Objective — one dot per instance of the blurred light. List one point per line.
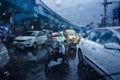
(32, 27)
(4, 13)
(58, 2)
(37, 1)
(46, 23)
(24, 23)
(35, 20)
(35, 15)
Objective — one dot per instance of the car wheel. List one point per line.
(47, 70)
(35, 45)
(80, 56)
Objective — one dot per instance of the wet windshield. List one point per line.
(86, 46)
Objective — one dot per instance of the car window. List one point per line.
(108, 36)
(93, 35)
(29, 34)
(84, 35)
(40, 34)
(71, 33)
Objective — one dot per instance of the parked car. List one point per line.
(30, 39)
(100, 48)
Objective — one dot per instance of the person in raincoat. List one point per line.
(63, 38)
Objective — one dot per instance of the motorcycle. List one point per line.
(72, 48)
(56, 55)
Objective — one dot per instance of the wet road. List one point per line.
(29, 64)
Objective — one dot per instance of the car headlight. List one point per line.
(29, 40)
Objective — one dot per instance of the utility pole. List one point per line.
(105, 13)
(105, 4)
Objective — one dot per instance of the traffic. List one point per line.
(56, 40)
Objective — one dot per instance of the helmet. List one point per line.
(63, 27)
(61, 33)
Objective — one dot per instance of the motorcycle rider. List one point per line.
(65, 42)
(61, 40)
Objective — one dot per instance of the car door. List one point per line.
(88, 44)
(93, 45)
(44, 37)
(39, 38)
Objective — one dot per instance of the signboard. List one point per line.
(116, 13)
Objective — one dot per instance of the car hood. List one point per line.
(24, 37)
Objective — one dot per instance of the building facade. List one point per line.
(28, 14)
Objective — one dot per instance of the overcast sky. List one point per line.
(79, 12)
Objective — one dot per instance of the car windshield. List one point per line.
(88, 47)
(70, 33)
(29, 34)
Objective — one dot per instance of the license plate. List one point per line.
(73, 46)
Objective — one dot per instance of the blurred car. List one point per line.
(47, 32)
(4, 57)
(55, 35)
(100, 48)
(72, 36)
(30, 39)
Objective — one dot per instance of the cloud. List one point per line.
(79, 12)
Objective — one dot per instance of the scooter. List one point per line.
(55, 55)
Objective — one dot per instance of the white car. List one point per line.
(30, 39)
(100, 49)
